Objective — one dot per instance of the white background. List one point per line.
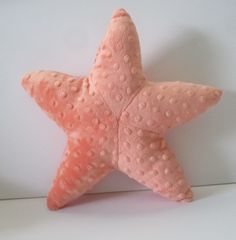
(180, 40)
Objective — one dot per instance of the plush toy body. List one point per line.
(116, 119)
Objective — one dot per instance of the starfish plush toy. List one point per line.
(116, 119)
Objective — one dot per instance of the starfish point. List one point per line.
(116, 119)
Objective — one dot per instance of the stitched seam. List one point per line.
(119, 117)
(118, 127)
(143, 129)
(131, 100)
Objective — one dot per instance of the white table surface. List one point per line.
(125, 215)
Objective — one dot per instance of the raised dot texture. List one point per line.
(105, 74)
(146, 93)
(150, 123)
(57, 83)
(128, 90)
(126, 58)
(152, 159)
(86, 84)
(107, 112)
(140, 146)
(168, 113)
(103, 153)
(95, 121)
(178, 119)
(61, 114)
(110, 85)
(202, 99)
(81, 99)
(87, 109)
(63, 94)
(141, 172)
(140, 133)
(134, 70)
(108, 53)
(102, 165)
(128, 131)
(163, 87)
(118, 97)
(102, 126)
(137, 118)
(155, 172)
(154, 109)
(162, 144)
(139, 160)
(217, 93)
(153, 145)
(127, 144)
(122, 77)
(167, 171)
(74, 89)
(164, 156)
(190, 93)
(98, 102)
(90, 179)
(55, 74)
(180, 196)
(70, 106)
(167, 184)
(71, 79)
(185, 105)
(130, 38)
(125, 115)
(127, 159)
(172, 101)
(116, 66)
(54, 103)
(142, 105)
(160, 97)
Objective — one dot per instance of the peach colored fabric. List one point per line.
(116, 119)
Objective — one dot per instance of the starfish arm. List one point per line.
(117, 71)
(77, 174)
(161, 106)
(55, 93)
(147, 158)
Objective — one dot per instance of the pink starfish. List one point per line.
(116, 119)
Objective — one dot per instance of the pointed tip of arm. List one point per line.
(121, 42)
(216, 95)
(37, 81)
(121, 12)
(27, 83)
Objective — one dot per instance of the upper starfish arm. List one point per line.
(161, 106)
(55, 93)
(117, 71)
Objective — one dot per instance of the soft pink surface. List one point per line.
(116, 119)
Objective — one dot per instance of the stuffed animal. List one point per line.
(116, 119)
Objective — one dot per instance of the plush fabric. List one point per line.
(116, 119)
